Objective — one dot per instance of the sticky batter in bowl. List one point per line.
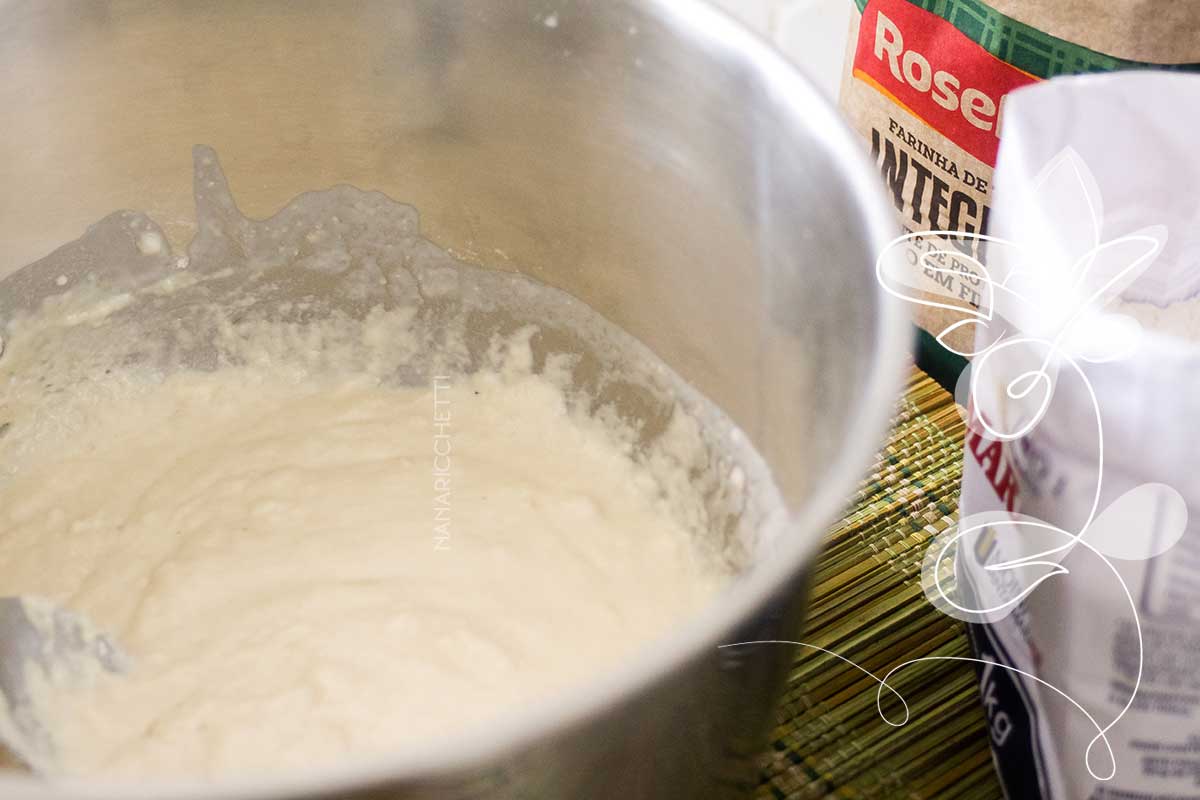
(303, 570)
(337, 493)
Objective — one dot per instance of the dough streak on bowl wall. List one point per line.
(336, 492)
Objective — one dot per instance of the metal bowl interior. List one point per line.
(651, 158)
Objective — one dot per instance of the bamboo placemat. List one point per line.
(867, 605)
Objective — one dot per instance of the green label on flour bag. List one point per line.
(1023, 46)
(925, 84)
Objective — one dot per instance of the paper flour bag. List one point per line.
(925, 82)
(1077, 556)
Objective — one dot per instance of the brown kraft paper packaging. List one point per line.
(925, 83)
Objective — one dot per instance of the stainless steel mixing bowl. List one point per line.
(651, 158)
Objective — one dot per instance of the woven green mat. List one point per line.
(867, 606)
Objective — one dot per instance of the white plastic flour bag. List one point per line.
(1077, 556)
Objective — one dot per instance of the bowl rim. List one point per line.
(799, 104)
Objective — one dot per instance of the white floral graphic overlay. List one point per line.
(1038, 314)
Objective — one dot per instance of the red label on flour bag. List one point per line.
(942, 78)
